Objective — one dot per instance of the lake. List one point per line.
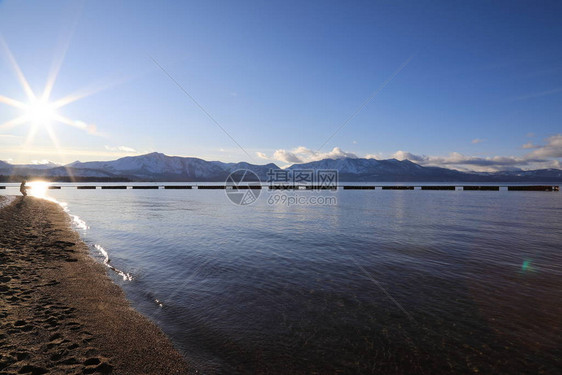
(376, 281)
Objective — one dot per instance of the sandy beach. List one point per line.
(60, 312)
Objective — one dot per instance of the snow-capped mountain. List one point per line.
(357, 169)
(157, 166)
(160, 167)
(150, 167)
(260, 170)
(360, 166)
(5, 166)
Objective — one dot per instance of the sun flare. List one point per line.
(41, 113)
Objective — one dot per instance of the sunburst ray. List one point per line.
(88, 91)
(30, 137)
(23, 81)
(15, 122)
(77, 124)
(40, 112)
(53, 138)
(12, 102)
(64, 43)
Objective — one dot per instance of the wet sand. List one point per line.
(59, 311)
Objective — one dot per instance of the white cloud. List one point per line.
(305, 155)
(261, 155)
(542, 157)
(377, 156)
(286, 156)
(552, 149)
(42, 162)
(477, 140)
(403, 155)
(459, 161)
(121, 148)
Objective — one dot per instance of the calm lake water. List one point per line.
(381, 282)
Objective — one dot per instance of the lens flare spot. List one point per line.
(526, 266)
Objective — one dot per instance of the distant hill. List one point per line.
(159, 167)
(156, 167)
(150, 167)
(356, 169)
(372, 170)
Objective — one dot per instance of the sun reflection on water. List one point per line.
(38, 189)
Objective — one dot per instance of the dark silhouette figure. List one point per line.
(23, 189)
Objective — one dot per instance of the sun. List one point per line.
(41, 113)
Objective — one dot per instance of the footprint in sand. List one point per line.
(102, 368)
(33, 370)
(20, 356)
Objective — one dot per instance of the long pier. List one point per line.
(304, 187)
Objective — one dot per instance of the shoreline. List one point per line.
(60, 311)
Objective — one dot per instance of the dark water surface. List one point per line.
(383, 282)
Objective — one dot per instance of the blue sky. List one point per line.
(482, 87)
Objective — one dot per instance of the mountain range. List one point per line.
(159, 167)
